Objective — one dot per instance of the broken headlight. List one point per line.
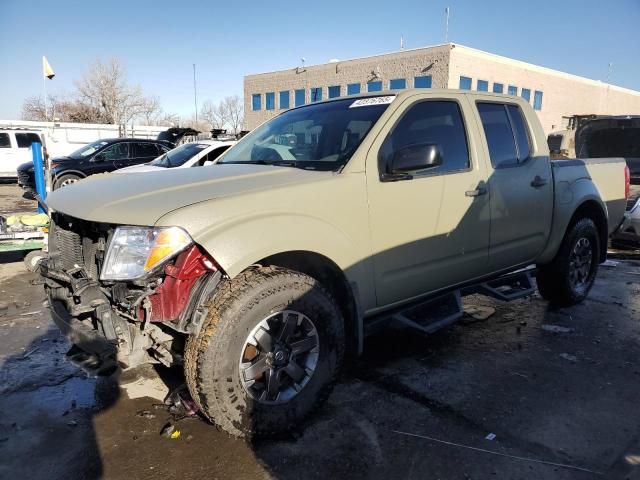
(135, 251)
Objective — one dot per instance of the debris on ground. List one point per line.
(478, 313)
(180, 403)
(557, 329)
(30, 352)
(72, 423)
(170, 431)
(145, 414)
(610, 263)
(569, 357)
(491, 436)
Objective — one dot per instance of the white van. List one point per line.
(15, 149)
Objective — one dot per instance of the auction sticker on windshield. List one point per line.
(367, 102)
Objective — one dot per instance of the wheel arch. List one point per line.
(331, 276)
(593, 210)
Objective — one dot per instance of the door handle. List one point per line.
(538, 182)
(476, 193)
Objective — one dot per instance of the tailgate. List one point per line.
(608, 176)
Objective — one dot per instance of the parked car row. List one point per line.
(123, 155)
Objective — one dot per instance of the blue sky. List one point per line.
(159, 41)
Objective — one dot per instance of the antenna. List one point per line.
(401, 42)
(446, 28)
(609, 72)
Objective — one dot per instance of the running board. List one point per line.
(507, 288)
(435, 313)
(426, 317)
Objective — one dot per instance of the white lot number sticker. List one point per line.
(367, 102)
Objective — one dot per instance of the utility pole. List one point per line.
(195, 95)
(446, 27)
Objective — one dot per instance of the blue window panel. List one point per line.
(300, 100)
(316, 94)
(334, 91)
(526, 94)
(374, 86)
(256, 101)
(353, 89)
(270, 101)
(512, 90)
(397, 84)
(422, 82)
(482, 86)
(498, 88)
(537, 100)
(284, 99)
(465, 83)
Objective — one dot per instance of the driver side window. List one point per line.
(118, 151)
(438, 123)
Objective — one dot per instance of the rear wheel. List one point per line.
(568, 279)
(268, 354)
(65, 180)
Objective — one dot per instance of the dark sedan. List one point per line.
(101, 156)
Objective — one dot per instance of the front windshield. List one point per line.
(178, 156)
(88, 150)
(319, 137)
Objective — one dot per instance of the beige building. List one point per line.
(555, 95)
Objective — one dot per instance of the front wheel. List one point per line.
(268, 353)
(569, 277)
(65, 180)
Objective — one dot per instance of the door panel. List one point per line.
(142, 152)
(427, 233)
(114, 156)
(521, 187)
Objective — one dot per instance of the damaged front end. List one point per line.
(125, 295)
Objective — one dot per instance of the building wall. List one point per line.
(563, 94)
(407, 64)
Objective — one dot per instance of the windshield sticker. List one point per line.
(367, 102)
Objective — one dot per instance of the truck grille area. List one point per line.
(76, 244)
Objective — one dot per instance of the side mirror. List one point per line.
(99, 158)
(416, 157)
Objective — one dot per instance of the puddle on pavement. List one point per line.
(58, 399)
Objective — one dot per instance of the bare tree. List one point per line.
(215, 114)
(234, 111)
(33, 109)
(150, 110)
(57, 108)
(168, 120)
(105, 87)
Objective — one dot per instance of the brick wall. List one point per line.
(405, 64)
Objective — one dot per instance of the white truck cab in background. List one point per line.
(15, 148)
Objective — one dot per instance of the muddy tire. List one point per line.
(65, 180)
(268, 353)
(33, 259)
(568, 279)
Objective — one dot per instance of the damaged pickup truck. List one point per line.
(321, 226)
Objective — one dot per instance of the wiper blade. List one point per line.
(274, 163)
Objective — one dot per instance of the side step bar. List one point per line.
(435, 313)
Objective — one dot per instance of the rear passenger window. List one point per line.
(24, 140)
(145, 150)
(520, 131)
(500, 135)
(4, 140)
(431, 122)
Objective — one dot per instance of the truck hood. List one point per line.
(143, 199)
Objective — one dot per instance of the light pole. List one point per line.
(195, 95)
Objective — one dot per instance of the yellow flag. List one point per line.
(47, 71)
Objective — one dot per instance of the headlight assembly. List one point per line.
(135, 251)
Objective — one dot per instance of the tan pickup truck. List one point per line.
(324, 224)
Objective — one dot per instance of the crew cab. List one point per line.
(322, 225)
